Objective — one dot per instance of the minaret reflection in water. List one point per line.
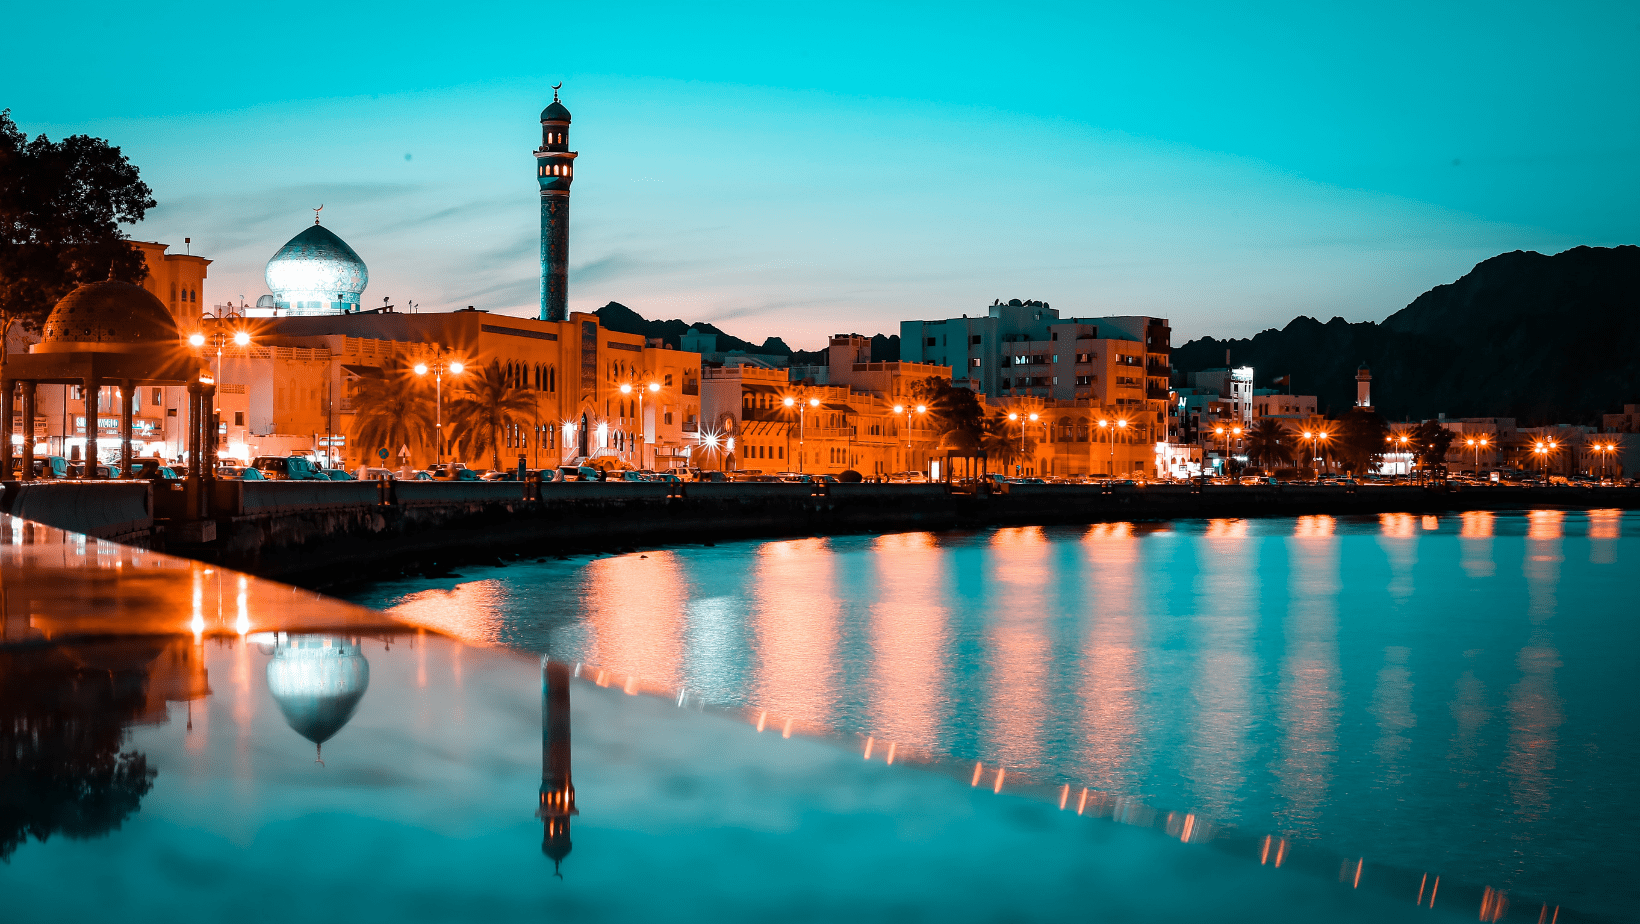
(318, 681)
(557, 789)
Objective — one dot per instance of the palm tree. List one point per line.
(486, 405)
(1001, 441)
(1268, 443)
(392, 411)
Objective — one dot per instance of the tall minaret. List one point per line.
(1363, 386)
(555, 169)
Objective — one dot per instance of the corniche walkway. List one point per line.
(185, 736)
(323, 534)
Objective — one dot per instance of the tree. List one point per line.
(392, 411)
(1269, 443)
(950, 408)
(1359, 441)
(485, 406)
(1000, 438)
(1430, 442)
(61, 206)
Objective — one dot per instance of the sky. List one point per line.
(798, 170)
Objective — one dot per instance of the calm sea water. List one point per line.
(1453, 694)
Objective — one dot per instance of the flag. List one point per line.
(1285, 381)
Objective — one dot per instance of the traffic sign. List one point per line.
(383, 453)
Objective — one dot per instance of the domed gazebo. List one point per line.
(105, 333)
(960, 444)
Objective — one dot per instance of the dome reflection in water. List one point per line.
(318, 681)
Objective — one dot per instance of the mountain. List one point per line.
(618, 317)
(1544, 339)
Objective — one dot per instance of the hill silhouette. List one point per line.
(618, 317)
(1544, 339)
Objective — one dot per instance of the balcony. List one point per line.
(1156, 394)
(690, 387)
(691, 426)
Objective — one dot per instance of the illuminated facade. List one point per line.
(554, 171)
(316, 273)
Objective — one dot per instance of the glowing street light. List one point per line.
(438, 367)
(627, 389)
(1477, 443)
(907, 410)
(196, 339)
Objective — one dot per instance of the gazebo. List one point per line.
(108, 333)
(960, 444)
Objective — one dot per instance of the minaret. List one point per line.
(554, 169)
(557, 789)
(1363, 386)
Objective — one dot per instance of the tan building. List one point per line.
(300, 375)
(841, 415)
(176, 279)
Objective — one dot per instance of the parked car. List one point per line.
(908, 478)
(47, 467)
(708, 475)
(579, 473)
(288, 468)
(498, 476)
(449, 471)
(78, 470)
(155, 468)
(628, 475)
(367, 473)
(666, 477)
(338, 474)
(420, 475)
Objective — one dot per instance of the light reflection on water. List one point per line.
(1443, 693)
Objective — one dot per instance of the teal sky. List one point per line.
(803, 169)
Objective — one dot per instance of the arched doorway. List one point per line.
(582, 436)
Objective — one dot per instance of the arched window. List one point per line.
(552, 379)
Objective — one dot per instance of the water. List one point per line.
(1450, 694)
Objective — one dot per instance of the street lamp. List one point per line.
(217, 338)
(1604, 449)
(802, 408)
(1120, 424)
(439, 367)
(907, 410)
(627, 389)
(1477, 444)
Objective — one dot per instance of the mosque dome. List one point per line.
(555, 111)
(318, 681)
(109, 316)
(316, 273)
(266, 301)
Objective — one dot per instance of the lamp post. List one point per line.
(218, 338)
(627, 389)
(1477, 444)
(1019, 467)
(907, 410)
(1226, 433)
(1604, 449)
(438, 367)
(1119, 424)
(802, 406)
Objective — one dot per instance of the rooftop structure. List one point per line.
(316, 272)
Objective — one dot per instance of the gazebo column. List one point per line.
(90, 387)
(128, 397)
(6, 406)
(28, 430)
(194, 429)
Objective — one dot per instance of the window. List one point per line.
(976, 339)
(239, 418)
(1084, 380)
(668, 382)
(931, 341)
(1056, 335)
(974, 362)
(159, 397)
(669, 418)
(780, 452)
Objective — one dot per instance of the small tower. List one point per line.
(1363, 386)
(554, 170)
